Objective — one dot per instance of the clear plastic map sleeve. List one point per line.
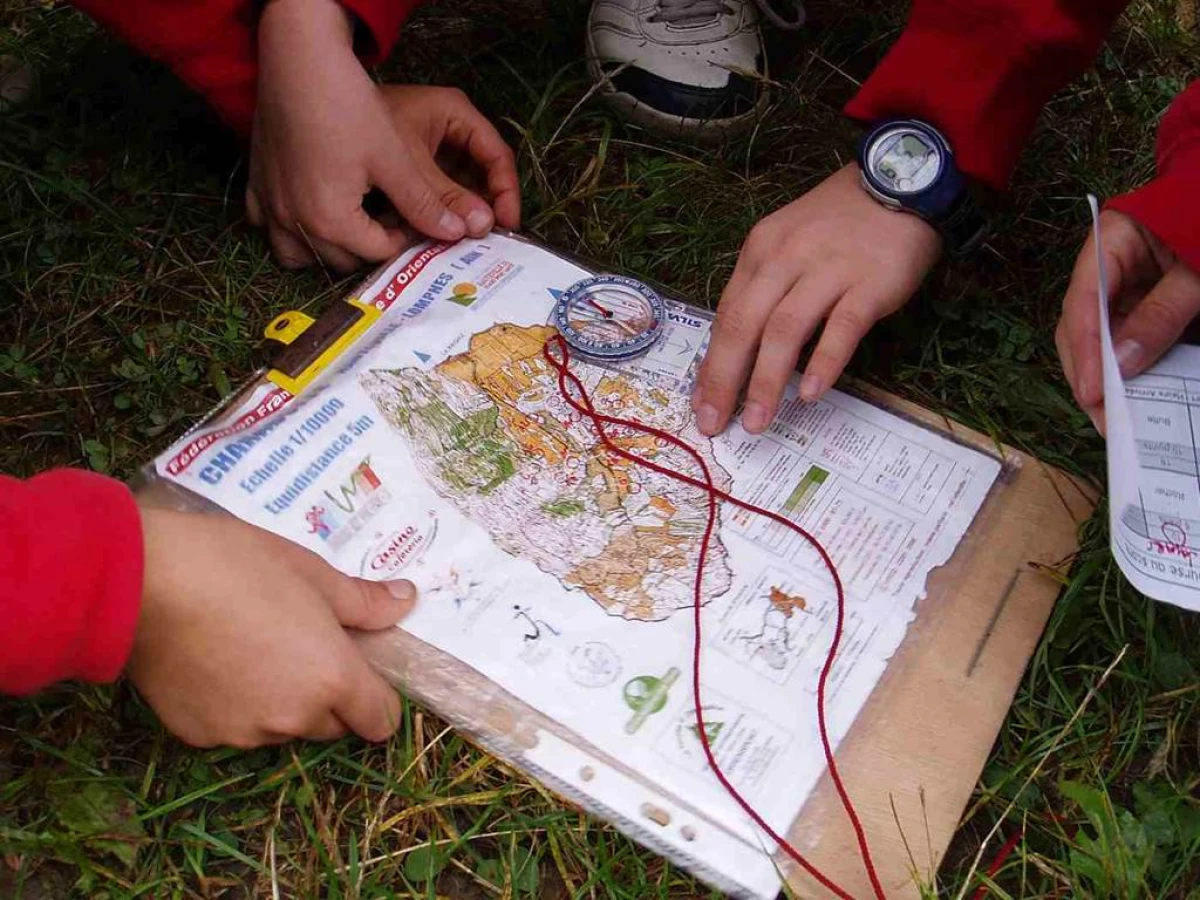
(554, 625)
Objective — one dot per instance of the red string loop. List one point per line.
(558, 355)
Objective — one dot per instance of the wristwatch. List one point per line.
(907, 165)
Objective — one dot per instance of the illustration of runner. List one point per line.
(535, 624)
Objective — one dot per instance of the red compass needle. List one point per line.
(607, 313)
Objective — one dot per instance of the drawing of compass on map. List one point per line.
(686, 746)
(745, 742)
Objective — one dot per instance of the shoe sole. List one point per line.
(705, 131)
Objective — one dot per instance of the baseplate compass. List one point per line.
(610, 317)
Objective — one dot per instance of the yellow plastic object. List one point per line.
(317, 342)
(288, 326)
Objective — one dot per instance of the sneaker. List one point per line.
(694, 67)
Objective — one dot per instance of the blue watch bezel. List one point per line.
(933, 202)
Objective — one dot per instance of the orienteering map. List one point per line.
(442, 451)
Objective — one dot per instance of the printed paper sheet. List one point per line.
(1153, 425)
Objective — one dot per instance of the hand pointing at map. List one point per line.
(821, 271)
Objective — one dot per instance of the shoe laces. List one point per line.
(694, 12)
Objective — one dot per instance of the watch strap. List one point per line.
(965, 226)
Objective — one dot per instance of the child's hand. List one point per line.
(325, 135)
(1154, 297)
(833, 260)
(241, 638)
(448, 124)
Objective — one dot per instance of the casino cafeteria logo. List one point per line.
(342, 515)
(393, 550)
(646, 695)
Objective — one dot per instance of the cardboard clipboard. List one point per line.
(914, 754)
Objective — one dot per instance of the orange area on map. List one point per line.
(506, 363)
(505, 360)
(663, 507)
(622, 568)
(787, 603)
(642, 559)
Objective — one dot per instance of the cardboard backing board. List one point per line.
(914, 755)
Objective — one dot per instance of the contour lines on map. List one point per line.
(491, 434)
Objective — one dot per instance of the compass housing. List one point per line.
(610, 317)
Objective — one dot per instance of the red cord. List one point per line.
(557, 354)
(1005, 852)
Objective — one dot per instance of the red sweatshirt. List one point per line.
(70, 543)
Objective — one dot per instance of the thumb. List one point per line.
(1080, 322)
(1157, 322)
(368, 705)
(370, 605)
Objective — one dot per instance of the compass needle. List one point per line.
(607, 313)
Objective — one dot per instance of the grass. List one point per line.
(131, 297)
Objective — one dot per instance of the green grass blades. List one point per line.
(132, 296)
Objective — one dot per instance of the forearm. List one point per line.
(211, 44)
(981, 71)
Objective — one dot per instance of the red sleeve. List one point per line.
(1169, 206)
(210, 44)
(981, 71)
(382, 20)
(70, 578)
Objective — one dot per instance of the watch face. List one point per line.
(904, 161)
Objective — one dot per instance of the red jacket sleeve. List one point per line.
(210, 44)
(382, 20)
(1169, 206)
(981, 71)
(70, 578)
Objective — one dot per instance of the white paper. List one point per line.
(443, 452)
(1152, 424)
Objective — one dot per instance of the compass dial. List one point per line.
(610, 317)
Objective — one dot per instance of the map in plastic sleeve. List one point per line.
(440, 449)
